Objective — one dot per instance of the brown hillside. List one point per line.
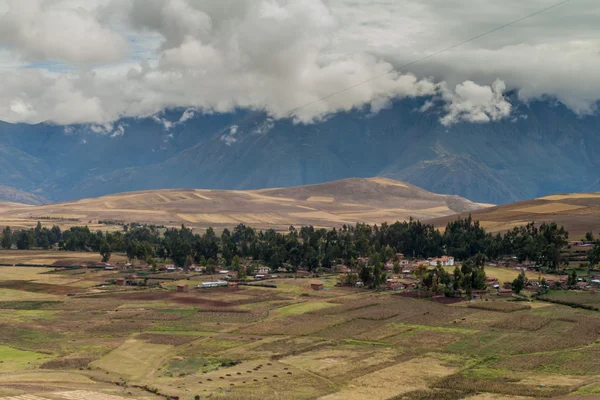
(578, 213)
(330, 204)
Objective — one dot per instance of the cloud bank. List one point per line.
(95, 61)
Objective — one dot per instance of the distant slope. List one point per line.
(12, 195)
(348, 201)
(578, 213)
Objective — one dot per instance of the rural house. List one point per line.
(445, 261)
(263, 270)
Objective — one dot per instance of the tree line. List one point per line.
(307, 247)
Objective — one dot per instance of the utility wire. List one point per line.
(397, 69)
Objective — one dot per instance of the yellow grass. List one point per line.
(19, 295)
(395, 380)
(507, 274)
(321, 199)
(549, 208)
(558, 197)
(134, 358)
(388, 182)
(87, 395)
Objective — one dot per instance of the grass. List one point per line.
(20, 295)
(300, 308)
(12, 359)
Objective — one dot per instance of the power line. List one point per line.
(397, 69)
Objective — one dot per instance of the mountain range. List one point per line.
(544, 148)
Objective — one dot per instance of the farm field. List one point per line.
(289, 342)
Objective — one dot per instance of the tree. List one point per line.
(235, 263)
(105, 251)
(420, 272)
(594, 256)
(7, 238)
(572, 279)
(519, 282)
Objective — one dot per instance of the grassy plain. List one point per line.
(288, 342)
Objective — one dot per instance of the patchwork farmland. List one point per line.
(63, 336)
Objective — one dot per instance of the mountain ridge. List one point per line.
(544, 149)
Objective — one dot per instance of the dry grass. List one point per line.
(395, 380)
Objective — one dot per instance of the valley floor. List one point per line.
(65, 337)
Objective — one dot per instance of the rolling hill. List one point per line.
(578, 213)
(347, 201)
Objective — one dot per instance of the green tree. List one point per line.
(235, 263)
(519, 282)
(594, 256)
(572, 279)
(7, 238)
(105, 251)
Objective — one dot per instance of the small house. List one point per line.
(182, 288)
(171, 268)
(263, 270)
(316, 285)
(505, 292)
(121, 282)
(445, 261)
(342, 269)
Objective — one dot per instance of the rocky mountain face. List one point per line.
(544, 149)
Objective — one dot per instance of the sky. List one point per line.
(96, 61)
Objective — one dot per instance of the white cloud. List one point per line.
(131, 58)
(50, 31)
(471, 102)
(229, 137)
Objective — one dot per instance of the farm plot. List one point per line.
(351, 329)
(425, 339)
(166, 338)
(499, 306)
(214, 345)
(523, 321)
(299, 308)
(15, 360)
(343, 363)
(580, 362)
(299, 325)
(384, 384)
(135, 359)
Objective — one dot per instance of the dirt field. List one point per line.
(104, 342)
(331, 204)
